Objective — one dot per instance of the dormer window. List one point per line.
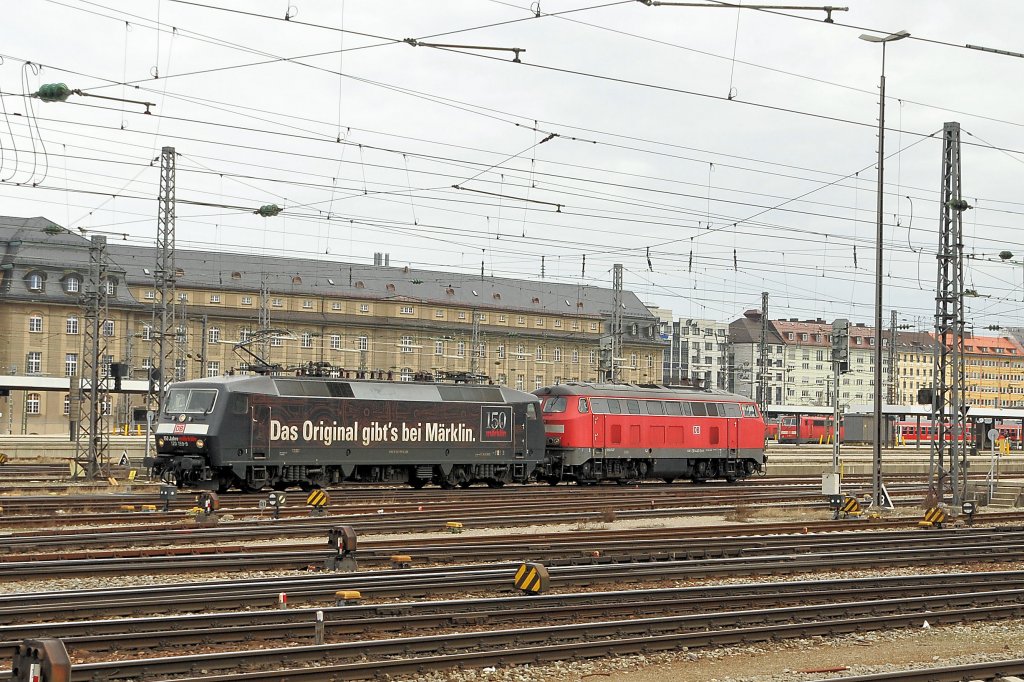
(72, 285)
(111, 286)
(35, 282)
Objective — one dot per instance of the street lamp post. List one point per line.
(876, 482)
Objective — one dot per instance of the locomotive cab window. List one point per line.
(749, 411)
(555, 405)
(583, 407)
(614, 406)
(699, 409)
(190, 401)
(655, 407)
(731, 409)
(633, 406)
(531, 411)
(713, 410)
(672, 408)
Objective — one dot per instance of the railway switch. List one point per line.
(317, 500)
(343, 541)
(532, 578)
(347, 597)
(277, 501)
(167, 493)
(933, 518)
(41, 660)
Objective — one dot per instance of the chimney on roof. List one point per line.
(752, 314)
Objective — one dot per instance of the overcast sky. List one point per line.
(736, 147)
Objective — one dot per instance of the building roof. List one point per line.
(747, 329)
(38, 242)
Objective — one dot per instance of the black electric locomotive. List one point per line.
(255, 431)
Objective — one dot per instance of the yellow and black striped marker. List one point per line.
(317, 498)
(3, 458)
(851, 507)
(935, 516)
(532, 578)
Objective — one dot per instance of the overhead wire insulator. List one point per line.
(269, 210)
(53, 92)
(958, 205)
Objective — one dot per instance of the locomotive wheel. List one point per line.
(417, 483)
(465, 484)
(668, 479)
(554, 480)
(447, 485)
(495, 483)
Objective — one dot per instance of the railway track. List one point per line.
(530, 630)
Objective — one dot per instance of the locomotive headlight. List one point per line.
(160, 442)
(200, 443)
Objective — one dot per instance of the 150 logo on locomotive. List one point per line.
(255, 431)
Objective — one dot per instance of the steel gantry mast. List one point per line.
(949, 379)
(93, 436)
(616, 321)
(165, 276)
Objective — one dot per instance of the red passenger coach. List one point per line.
(628, 432)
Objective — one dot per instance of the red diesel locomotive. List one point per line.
(626, 432)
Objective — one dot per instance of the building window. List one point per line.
(214, 298)
(406, 310)
(405, 374)
(111, 287)
(34, 363)
(520, 382)
(35, 282)
(213, 368)
(72, 285)
(183, 297)
(575, 325)
(179, 370)
(593, 326)
(307, 304)
(439, 313)
(147, 333)
(108, 328)
(462, 315)
(335, 305)
(438, 347)
(650, 362)
(538, 381)
(461, 349)
(501, 318)
(632, 360)
(70, 364)
(247, 300)
(575, 356)
(521, 352)
(35, 324)
(363, 343)
(501, 351)
(405, 344)
(558, 324)
(335, 342)
(306, 340)
(364, 307)
(276, 302)
(213, 335)
(521, 320)
(539, 322)
(179, 333)
(150, 295)
(276, 341)
(72, 324)
(147, 363)
(32, 403)
(556, 355)
(593, 357)
(67, 404)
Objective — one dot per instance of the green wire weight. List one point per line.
(269, 210)
(53, 92)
